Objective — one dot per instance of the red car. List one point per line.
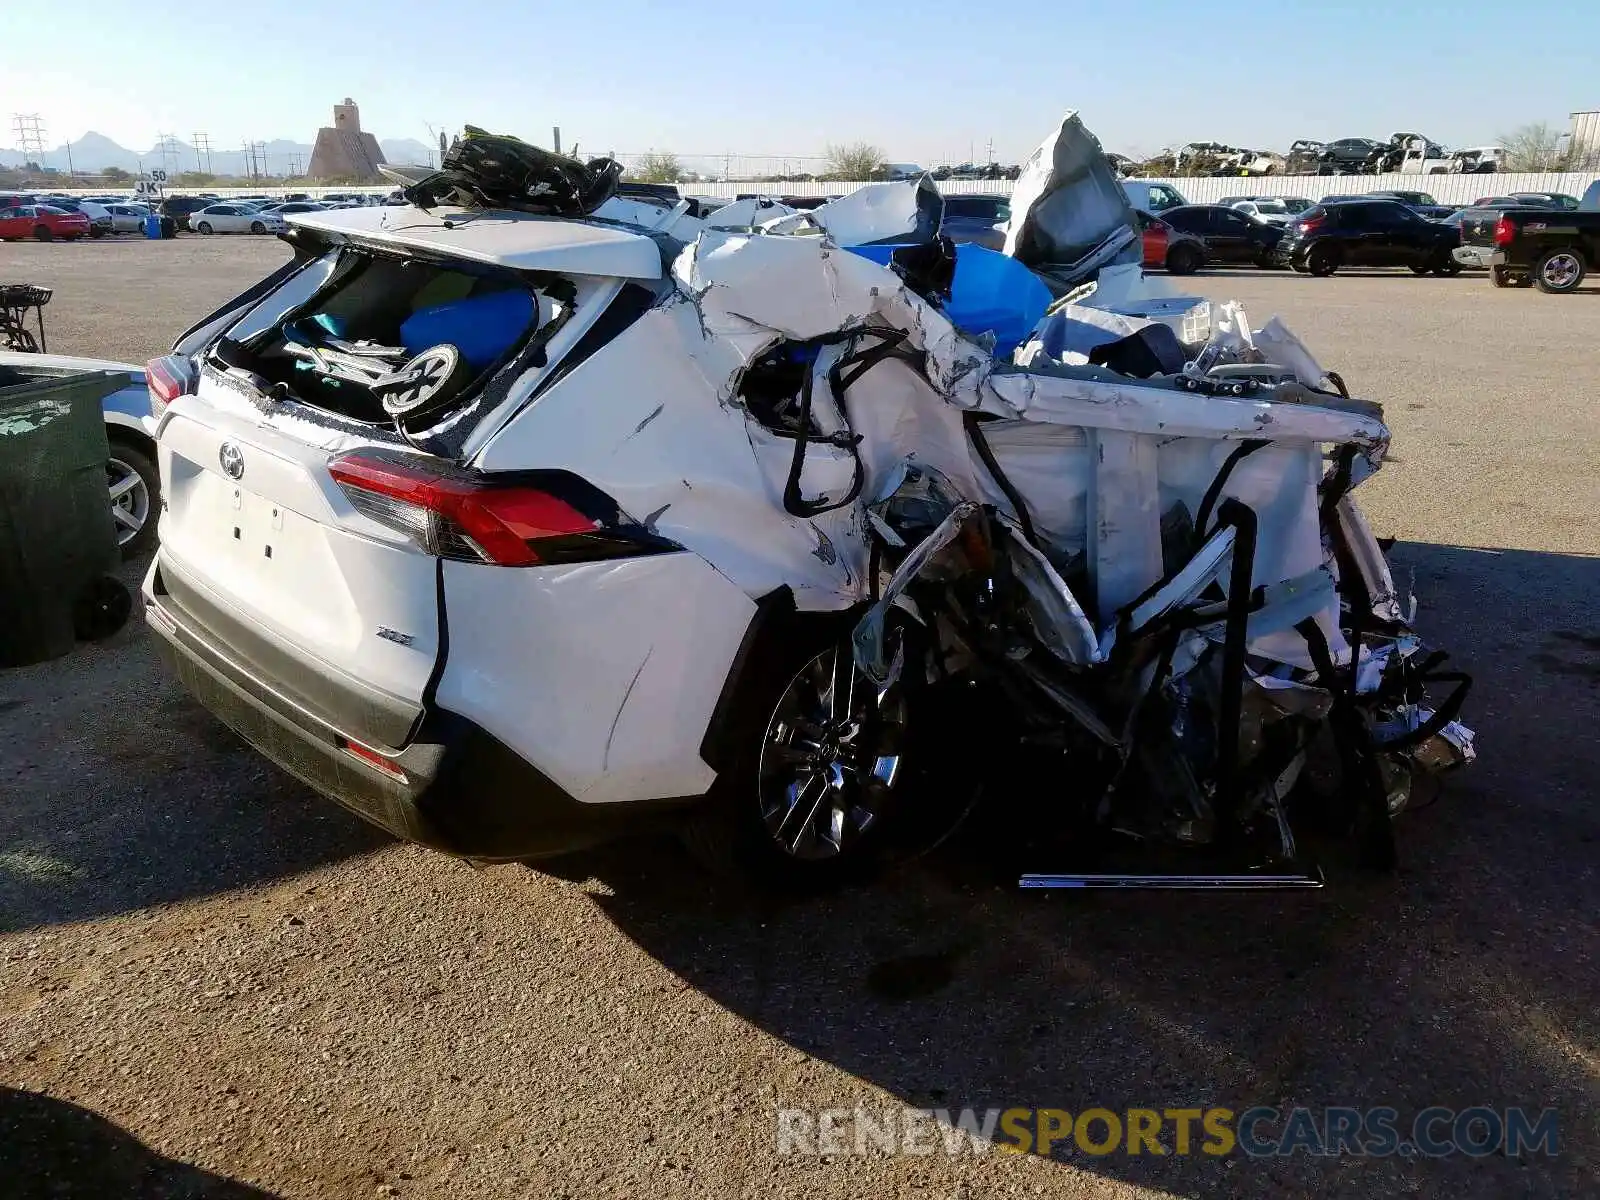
(1167, 248)
(42, 222)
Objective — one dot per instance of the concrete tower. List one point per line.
(343, 151)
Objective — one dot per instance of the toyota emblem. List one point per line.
(232, 460)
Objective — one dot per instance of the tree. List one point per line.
(855, 162)
(189, 178)
(115, 175)
(1533, 147)
(658, 168)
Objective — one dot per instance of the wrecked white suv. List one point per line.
(513, 531)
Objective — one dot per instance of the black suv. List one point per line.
(1229, 235)
(180, 208)
(1368, 233)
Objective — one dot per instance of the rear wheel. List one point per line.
(1559, 272)
(41, 233)
(134, 485)
(257, 227)
(813, 774)
(203, 227)
(1322, 261)
(1184, 260)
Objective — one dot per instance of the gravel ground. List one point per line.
(216, 984)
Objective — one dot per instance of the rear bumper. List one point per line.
(1478, 256)
(452, 787)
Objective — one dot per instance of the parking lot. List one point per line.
(215, 983)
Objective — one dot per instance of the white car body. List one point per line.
(234, 218)
(531, 615)
(1152, 197)
(1264, 210)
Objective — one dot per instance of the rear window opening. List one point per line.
(393, 340)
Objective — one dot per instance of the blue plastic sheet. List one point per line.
(991, 293)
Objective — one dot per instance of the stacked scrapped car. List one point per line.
(544, 512)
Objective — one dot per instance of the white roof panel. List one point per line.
(497, 237)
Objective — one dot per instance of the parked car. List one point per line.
(1368, 233)
(1152, 197)
(1229, 236)
(127, 218)
(1525, 247)
(980, 219)
(99, 219)
(1296, 204)
(294, 206)
(1348, 156)
(1418, 202)
(1168, 248)
(1270, 209)
(235, 218)
(1556, 200)
(132, 480)
(181, 208)
(42, 223)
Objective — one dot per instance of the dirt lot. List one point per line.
(216, 984)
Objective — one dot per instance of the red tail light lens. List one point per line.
(168, 377)
(1310, 224)
(520, 520)
(1504, 232)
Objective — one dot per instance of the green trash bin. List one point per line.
(58, 545)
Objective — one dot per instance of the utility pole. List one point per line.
(557, 142)
(202, 146)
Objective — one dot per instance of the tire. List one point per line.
(203, 227)
(1500, 277)
(41, 233)
(136, 509)
(1560, 271)
(257, 227)
(746, 830)
(1448, 268)
(1323, 261)
(1184, 259)
(95, 233)
(1420, 270)
(1267, 261)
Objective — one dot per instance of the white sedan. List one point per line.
(235, 218)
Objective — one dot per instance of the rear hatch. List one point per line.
(321, 591)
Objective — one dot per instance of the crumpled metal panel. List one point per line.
(1069, 213)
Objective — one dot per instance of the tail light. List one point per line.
(508, 519)
(1504, 232)
(1311, 224)
(168, 377)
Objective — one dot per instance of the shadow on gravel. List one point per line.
(52, 1150)
(1466, 978)
(120, 792)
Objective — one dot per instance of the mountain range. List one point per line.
(95, 152)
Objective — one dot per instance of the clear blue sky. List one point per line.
(924, 81)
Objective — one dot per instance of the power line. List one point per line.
(202, 146)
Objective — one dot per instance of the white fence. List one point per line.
(1446, 189)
